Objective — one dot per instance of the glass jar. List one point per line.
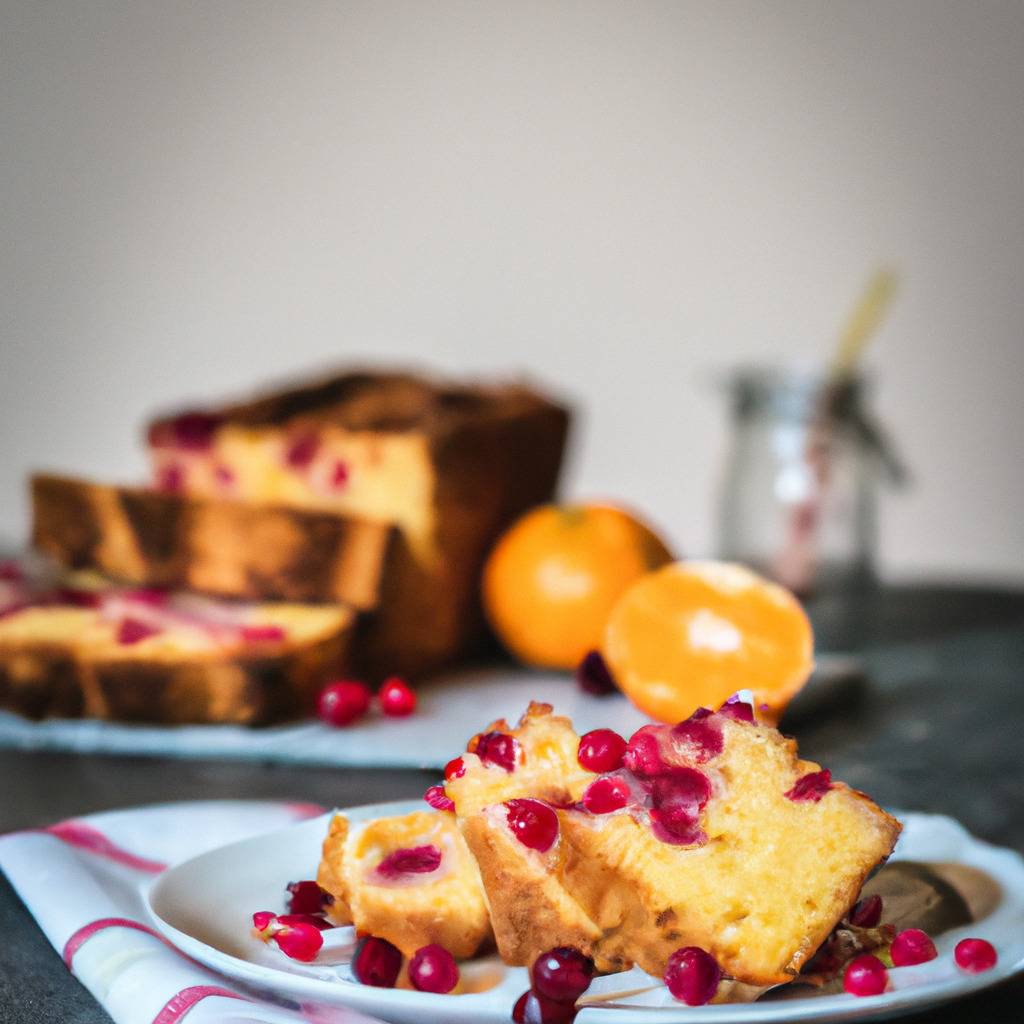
(799, 501)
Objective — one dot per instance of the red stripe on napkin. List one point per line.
(177, 1006)
(85, 837)
(86, 932)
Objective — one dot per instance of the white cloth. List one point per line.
(83, 881)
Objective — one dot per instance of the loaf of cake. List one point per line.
(81, 647)
(381, 490)
(410, 880)
(710, 833)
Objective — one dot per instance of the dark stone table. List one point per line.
(937, 726)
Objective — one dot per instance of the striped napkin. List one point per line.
(83, 881)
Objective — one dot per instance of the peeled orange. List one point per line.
(691, 634)
(553, 577)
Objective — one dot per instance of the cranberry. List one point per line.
(396, 699)
(601, 751)
(415, 860)
(438, 799)
(433, 969)
(307, 898)
(677, 801)
(376, 962)
(562, 974)
(737, 709)
(295, 937)
(342, 702)
(867, 912)
(865, 976)
(131, 631)
(193, 430)
(533, 823)
(643, 752)
(593, 676)
(692, 975)
(170, 477)
(811, 788)
(224, 476)
(11, 572)
(498, 748)
(454, 769)
(605, 795)
(975, 955)
(262, 634)
(339, 476)
(531, 1008)
(912, 946)
(301, 452)
(698, 739)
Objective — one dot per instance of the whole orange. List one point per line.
(553, 577)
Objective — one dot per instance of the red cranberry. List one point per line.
(975, 955)
(692, 975)
(454, 769)
(594, 677)
(433, 969)
(562, 974)
(498, 748)
(170, 477)
(307, 897)
(698, 739)
(605, 795)
(865, 976)
(438, 799)
(131, 631)
(339, 476)
(912, 946)
(301, 452)
(601, 751)
(415, 860)
(677, 801)
(737, 709)
(533, 823)
(867, 912)
(11, 572)
(643, 752)
(262, 634)
(396, 699)
(191, 430)
(342, 702)
(299, 941)
(376, 962)
(811, 788)
(531, 1008)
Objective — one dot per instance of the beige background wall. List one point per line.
(621, 197)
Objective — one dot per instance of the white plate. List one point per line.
(204, 907)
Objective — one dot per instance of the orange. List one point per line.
(553, 577)
(693, 633)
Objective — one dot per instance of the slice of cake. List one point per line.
(217, 546)
(408, 879)
(80, 647)
(712, 833)
(505, 788)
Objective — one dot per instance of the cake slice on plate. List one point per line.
(82, 647)
(408, 879)
(710, 833)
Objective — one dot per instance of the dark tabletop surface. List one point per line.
(937, 726)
